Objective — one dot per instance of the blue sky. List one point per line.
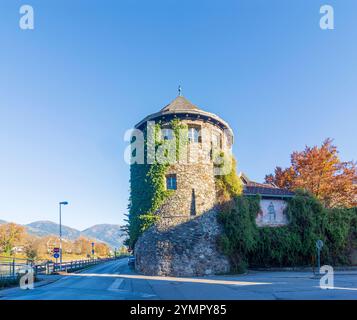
(92, 69)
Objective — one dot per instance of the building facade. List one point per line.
(184, 240)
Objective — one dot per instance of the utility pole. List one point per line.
(64, 203)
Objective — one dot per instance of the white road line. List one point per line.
(337, 288)
(115, 285)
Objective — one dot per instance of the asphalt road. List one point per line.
(115, 280)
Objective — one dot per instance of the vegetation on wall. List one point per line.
(228, 185)
(147, 183)
(291, 245)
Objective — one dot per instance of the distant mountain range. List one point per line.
(111, 234)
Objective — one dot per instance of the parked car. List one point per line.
(131, 261)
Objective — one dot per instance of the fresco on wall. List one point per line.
(272, 213)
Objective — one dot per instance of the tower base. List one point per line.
(181, 246)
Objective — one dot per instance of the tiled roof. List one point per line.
(179, 104)
(267, 191)
(257, 184)
(181, 107)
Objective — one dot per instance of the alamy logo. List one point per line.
(27, 280)
(327, 280)
(327, 21)
(27, 19)
(164, 146)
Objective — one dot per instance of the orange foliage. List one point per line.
(320, 171)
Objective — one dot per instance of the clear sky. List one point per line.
(90, 70)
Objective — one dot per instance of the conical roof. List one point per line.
(179, 104)
(180, 107)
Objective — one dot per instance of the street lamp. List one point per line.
(64, 203)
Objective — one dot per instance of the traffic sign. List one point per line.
(319, 244)
(56, 255)
(56, 250)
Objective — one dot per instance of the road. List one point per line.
(114, 280)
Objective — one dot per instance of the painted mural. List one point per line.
(272, 213)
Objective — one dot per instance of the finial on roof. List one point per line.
(179, 91)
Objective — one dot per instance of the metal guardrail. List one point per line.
(15, 267)
(12, 267)
(69, 266)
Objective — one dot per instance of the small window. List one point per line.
(167, 134)
(171, 183)
(194, 134)
(216, 140)
(193, 203)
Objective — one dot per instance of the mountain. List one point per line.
(46, 228)
(2, 221)
(108, 233)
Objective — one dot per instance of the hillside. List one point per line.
(108, 233)
(46, 228)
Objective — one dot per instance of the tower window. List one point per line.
(216, 140)
(194, 134)
(167, 134)
(171, 182)
(193, 203)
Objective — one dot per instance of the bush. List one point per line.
(291, 245)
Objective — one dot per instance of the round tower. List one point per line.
(183, 240)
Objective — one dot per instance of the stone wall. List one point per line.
(184, 240)
(181, 246)
(195, 192)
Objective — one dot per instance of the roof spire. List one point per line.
(179, 91)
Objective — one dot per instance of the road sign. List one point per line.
(56, 255)
(56, 250)
(319, 244)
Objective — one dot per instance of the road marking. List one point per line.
(338, 288)
(172, 279)
(115, 285)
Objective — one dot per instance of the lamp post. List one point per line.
(64, 203)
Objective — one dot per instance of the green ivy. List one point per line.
(290, 245)
(147, 184)
(228, 185)
(240, 233)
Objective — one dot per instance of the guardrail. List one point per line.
(69, 266)
(15, 267)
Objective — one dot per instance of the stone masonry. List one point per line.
(184, 240)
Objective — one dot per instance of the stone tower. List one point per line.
(183, 241)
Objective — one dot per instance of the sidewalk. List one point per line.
(42, 280)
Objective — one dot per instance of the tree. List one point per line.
(320, 171)
(101, 249)
(82, 246)
(10, 235)
(32, 247)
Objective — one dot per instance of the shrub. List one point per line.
(291, 245)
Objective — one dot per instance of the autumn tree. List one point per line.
(10, 235)
(32, 247)
(101, 249)
(320, 171)
(82, 246)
